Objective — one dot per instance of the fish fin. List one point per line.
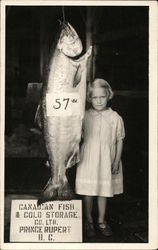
(47, 164)
(35, 131)
(47, 184)
(81, 65)
(74, 158)
(77, 77)
(37, 119)
(75, 63)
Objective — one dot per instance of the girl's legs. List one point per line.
(102, 203)
(89, 227)
(102, 225)
(88, 208)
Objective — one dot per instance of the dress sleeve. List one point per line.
(120, 130)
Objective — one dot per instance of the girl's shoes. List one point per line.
(104, 229)
(89, 229)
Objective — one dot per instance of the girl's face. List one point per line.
(99, 99)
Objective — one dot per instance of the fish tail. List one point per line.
(65, 192)
(49, 193)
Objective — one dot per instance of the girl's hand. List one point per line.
(115, 165)
(115, 168)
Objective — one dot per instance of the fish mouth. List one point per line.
(69, 41)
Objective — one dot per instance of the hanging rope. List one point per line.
(63, 12)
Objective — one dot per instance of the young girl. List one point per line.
(99, 172)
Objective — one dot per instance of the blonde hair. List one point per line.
(99, 83)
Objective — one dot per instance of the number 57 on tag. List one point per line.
(63, 104)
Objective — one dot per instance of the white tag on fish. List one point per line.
(63, 104)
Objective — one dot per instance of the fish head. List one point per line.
(69, 42)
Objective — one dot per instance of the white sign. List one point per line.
(63, 104)
(56, 221)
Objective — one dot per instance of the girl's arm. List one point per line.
(119, 148)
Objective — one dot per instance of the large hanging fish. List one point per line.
(63, 106)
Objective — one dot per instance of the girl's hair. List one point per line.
(99, 83)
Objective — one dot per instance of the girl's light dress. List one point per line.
(101, 132)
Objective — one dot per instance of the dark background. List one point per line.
(120, 38)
